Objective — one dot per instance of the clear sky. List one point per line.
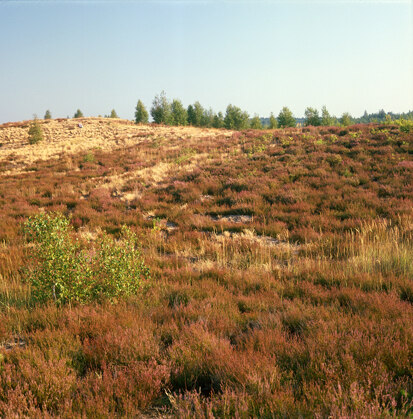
(259, 55)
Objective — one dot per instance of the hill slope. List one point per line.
(63, 136)
(281, 274)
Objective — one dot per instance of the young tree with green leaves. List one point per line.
(35, 132)
(286, 118)
(190, 114)
(48, 115)
(273, 122)
(195, 113)
(179, 114)
(218, 120)
(113, 114)
(161, 111)
(141, 114)
(346, 119)
(326, 119)
(312, 117)
(62, 271)
(207, 118)
(388, 119)
(255, 122)
(235, 118)
(78, 114)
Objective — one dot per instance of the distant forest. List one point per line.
(163, 111)
(166, 112)
(377, 117)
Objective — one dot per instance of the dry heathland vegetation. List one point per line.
(272, 276)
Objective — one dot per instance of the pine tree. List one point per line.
(48, 115)
(286, 118)
(190, 115)
(113, 114)
(141, 114)
(78, 114)
(35, 132)
(179, 114)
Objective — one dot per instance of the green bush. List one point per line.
(35, 133)
(62, 270)
(89, 157)
(405, 125)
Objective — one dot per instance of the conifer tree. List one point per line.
(179, 113)
(35, 132)
(141, 114)
(286, 118)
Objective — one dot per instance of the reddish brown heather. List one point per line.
(281, 272)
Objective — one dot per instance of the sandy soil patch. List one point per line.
(250, 236)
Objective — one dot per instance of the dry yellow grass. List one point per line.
(63, 137)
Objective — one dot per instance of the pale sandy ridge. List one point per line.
(63, 137)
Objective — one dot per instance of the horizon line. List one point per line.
(210, 1)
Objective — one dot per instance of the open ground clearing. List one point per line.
(281, 272)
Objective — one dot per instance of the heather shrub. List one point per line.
(64, 271)
(33, 383)
(200, 361)
(177, 298)
(121, 391)
(283, 271)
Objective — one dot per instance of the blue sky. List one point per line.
(260, 55)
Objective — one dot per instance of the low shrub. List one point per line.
(35, 133)
(64, 271)
(405, 125)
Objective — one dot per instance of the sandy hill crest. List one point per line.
(63, 136)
